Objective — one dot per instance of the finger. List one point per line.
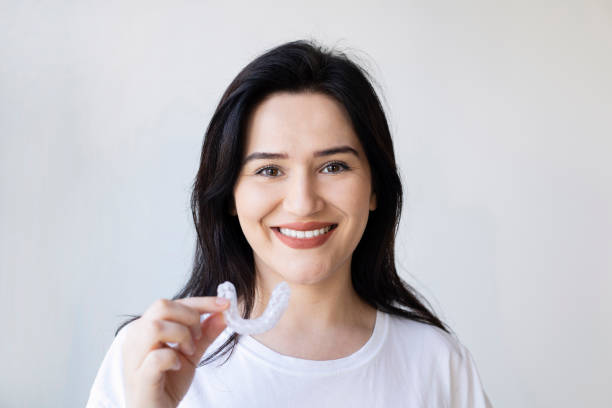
(205, 304)
(157, 362)
(159, 332)
(164, 309)
(211, 328)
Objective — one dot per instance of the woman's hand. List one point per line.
(157, 375)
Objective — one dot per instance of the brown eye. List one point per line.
(335, 167)
(268, 172)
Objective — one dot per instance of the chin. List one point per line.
(307, 275)
(298, 270)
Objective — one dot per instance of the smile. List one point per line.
(304, 239)
(305, 234)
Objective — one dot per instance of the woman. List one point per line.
(297, 183)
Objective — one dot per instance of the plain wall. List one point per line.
(501, 114)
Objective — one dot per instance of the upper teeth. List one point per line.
(304, 234)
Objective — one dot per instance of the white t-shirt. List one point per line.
(403, 364)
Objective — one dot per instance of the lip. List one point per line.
(305, 226)
(304, 243)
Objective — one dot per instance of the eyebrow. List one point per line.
(320, 153)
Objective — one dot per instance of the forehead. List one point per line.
(297, 123)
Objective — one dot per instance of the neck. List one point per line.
(315, 307)
(325, 320)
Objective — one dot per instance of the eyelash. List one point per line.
(344, 167)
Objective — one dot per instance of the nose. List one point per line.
(302, 197)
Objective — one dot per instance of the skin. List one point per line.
(155, 374)
(325, 318)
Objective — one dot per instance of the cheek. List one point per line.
(253, 202)
(352, 195)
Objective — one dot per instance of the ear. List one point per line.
(373, 202)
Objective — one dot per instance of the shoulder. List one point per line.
(427, 348)
(441, 361)
(107, 388)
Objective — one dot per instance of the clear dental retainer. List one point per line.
(279, 300)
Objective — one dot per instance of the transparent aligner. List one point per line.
(279, 300)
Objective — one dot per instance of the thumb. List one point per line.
(212, 326)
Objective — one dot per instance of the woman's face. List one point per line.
(302, 164)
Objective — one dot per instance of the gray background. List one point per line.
(502, 119)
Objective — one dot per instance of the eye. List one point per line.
(332, 168)
(268, 171)
(336, 167)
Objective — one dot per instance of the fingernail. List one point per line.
(198, 333)
(221, 301)
(177, 365)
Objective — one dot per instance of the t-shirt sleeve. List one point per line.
(107, 389)
(465, 385)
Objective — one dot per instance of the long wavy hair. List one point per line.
(222, 251)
